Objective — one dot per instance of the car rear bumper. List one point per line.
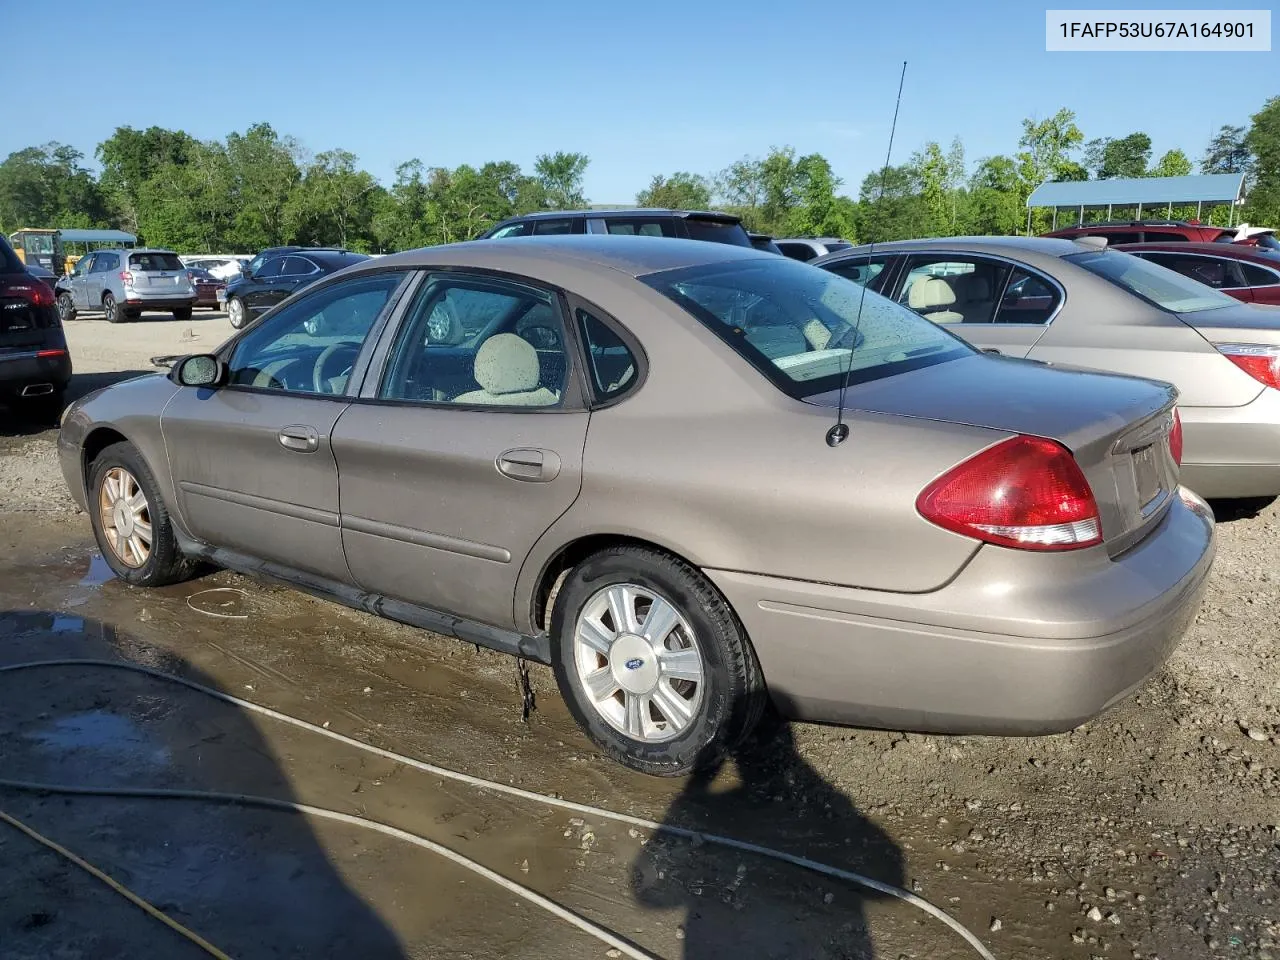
(160, 302)
(1018, 643)
(1233, 451)
(28, 369)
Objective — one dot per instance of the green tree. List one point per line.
(130, 158)
(997, 198)
(1047, 146)
(680, 191)
(1263, 141)
(890, 206)
(561, 176)
(264, 173)
(48, 187)
(1121, 156)
(933, 173)
(1227, 152)
(333, 203)
(817, 210)
(1174, 163)
(740, 188)
(187, 204)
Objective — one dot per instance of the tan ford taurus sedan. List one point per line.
(620, 456)
(1066, 302)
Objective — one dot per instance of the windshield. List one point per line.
(800, 326)
(1156, 284)
(38, 243)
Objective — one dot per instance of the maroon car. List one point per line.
(1248, 273)
(206, 286)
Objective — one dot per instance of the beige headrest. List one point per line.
(930, 292)
(506, 363)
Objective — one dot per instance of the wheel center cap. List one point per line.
(122, 517)
(634, 665)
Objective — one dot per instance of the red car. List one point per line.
(1248, 273)
(206, 286)
(1170, 231)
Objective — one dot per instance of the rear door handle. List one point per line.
(529, 464)
(299, 438)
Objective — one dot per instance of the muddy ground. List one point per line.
(1152, 832)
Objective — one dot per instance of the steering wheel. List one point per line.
(318, 378)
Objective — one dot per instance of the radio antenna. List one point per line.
(840, 431)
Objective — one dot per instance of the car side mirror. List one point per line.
(199, 370)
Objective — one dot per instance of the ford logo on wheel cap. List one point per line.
(635, 663)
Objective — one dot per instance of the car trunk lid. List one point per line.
(1116, 427)
(1245, 323)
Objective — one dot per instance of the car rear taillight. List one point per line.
(1025, 492)
(126, 276)
(1259, 360)
(1175, 438)
(36, 292)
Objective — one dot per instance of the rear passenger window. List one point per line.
(1259, 276)
(611, 365)
(520, 229)
(545, 228)
(652, 227)
(1029, 299)
(947, 290)
(477, 341)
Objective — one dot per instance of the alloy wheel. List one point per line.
(109, 308)
(126, 517)
(235, 313)
(66, 307)
(639, 662)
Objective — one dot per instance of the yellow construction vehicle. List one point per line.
(39, 245)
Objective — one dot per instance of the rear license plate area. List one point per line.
(1146, 475)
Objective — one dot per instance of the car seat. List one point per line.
(507, 369)
(930, 297)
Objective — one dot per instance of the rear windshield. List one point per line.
(9, 262)
(720, 231)
(1156, 284)
(154, 262)
(839, 245)
(805, 328)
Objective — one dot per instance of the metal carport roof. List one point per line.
(97, 236)
(1130, 191)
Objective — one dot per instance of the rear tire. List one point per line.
(182, 314)
(721, 707)
(118, 476)
(110, 309)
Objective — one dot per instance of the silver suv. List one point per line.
(122, 283)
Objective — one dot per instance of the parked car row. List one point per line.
(695, 477)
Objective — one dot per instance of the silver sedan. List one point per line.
(1074, 303)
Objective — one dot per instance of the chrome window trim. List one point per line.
(1020, 264)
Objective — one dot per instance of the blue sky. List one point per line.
(640, 88)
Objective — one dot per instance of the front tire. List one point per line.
(110, 309)
(236, 312)
(130, 520)
(653, 663)
(66, 307)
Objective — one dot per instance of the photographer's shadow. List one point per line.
(737, 904)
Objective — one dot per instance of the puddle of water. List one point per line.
(102, 731)
(230, 603)
(68, 624)
(98, 572)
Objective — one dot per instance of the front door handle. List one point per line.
(299, 438)
(529, 464)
